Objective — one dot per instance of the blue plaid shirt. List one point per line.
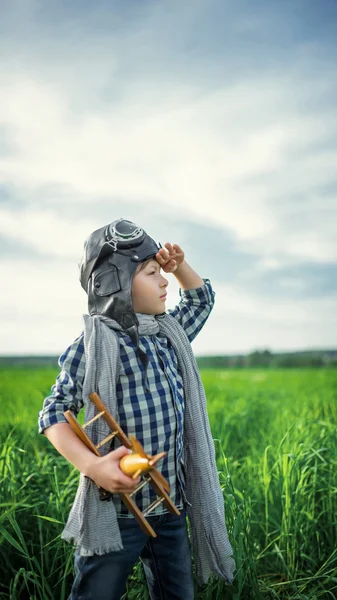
(154, 416)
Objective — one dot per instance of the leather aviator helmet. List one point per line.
(110, 259)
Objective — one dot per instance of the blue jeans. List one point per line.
(166, 560)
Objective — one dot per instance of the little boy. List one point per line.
(139, 359)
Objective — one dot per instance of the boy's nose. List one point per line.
(164, 282)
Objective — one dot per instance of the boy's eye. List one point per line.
(154, 272)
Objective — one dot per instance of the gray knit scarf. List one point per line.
(92, 524)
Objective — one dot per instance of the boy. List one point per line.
(139, 359)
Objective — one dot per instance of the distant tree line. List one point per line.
(270, 360)
(256, 359)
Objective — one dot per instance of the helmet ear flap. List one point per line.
(106, 282)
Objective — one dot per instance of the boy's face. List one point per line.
(149, 290)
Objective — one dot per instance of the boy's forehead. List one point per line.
(153, 262)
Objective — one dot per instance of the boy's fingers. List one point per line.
(127, 482)
(119, 452)
(162, 258)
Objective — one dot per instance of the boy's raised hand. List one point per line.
(170, 257)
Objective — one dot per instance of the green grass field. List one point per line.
(275, 437)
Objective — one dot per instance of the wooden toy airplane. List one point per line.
(135, 464)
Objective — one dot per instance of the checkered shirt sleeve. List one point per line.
(67, 391)
(194, 308)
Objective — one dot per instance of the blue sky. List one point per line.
(211, 124)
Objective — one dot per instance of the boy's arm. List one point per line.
(67, 394)
(104, 470)
(67, 443)
(197, 295)
(194, 308)
(67, 390)
(187, 278)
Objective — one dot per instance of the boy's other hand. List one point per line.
(170, 257)
(106, 473)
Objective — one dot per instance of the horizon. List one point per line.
(273, 352)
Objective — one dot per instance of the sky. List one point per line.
(211, 124)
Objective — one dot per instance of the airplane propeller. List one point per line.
(139, 462)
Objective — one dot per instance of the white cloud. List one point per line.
(47, 231)
(250, 153)
(196, 154)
